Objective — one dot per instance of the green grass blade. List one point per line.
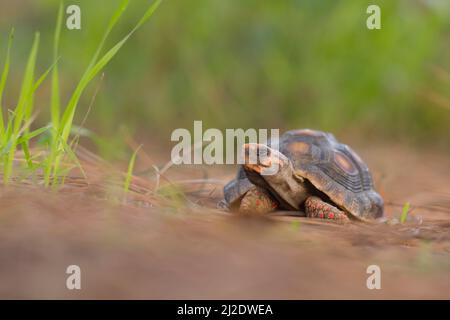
(26, 153)
(55, 98)
(72, 156)
(32, 134)
(126, 185)
(405, 211)
(66, 122)
(5, 149)
(69, 113)
(27, 85)
(147, 14)
(23, 109)
(112, 22)
(4, 77)
(8, 130)
(44, 76)
(55, 104)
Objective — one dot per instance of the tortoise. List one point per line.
(317, 177)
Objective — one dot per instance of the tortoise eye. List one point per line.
(262, 152)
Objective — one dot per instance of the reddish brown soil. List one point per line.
(126, 251)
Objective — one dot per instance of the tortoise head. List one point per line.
(272, 170)
(261, 159)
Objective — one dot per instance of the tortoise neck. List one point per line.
(292, 189)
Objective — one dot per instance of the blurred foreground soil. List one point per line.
(127, 251)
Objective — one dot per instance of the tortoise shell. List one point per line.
(334, 169)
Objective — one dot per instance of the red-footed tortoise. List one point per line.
(316, 175)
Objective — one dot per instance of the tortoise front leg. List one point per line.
(257, 201)
(317, 208)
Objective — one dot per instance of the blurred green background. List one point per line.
(261, 64)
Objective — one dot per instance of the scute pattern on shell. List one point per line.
(333, 168)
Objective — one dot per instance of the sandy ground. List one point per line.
(129, 251)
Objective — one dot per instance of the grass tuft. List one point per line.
(15, 129)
